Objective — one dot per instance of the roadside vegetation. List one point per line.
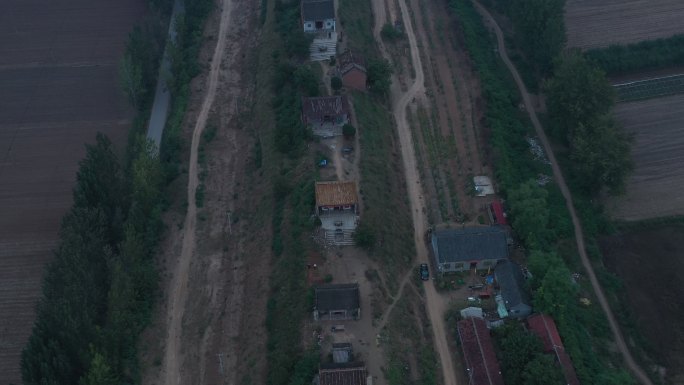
(99, 291)
(584, 329)
(642, 56)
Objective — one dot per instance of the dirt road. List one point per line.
(579, 235)
(400, 101)
(179, 282)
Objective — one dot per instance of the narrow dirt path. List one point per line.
(171, 372)
(579, 235)
(435, 304)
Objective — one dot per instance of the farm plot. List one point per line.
(58, 87)
(650, 265)
(655, 188)
(600, 23)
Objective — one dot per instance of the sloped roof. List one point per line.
(352, 373)
(350, 60)
(341, 352)
(317, 10)
(336, 193)
(470, 244)
(545, 328)
(337, 297)
(512, 283)
(316, 108)
(497, 207)
(478, 352)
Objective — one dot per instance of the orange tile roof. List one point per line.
(336, 193)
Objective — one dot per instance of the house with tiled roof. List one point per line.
(325, 115)
(337, 302)
(351, 69)
(352, 373)
(480, 361)
(468, 248)
(337, 208)
(544, 327)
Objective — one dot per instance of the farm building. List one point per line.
(352, 373)
(544, 327)
(337, 302)
(478, 352)
(318, 15)
(497, 214)
(351, 68)
(325, 115)
(337, 208)
(509, 277)
(469, 248)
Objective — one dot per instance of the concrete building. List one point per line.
(326, 115)
(318, 15)
(337, 208)
(469, 248)
(511, 282)
(337, 302)
(351, 68)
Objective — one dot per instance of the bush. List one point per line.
(390, 33)
(348, 130)
(336, 83)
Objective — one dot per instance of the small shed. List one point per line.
(337, 302)
(351, 68)
(342, 352)
(511, 281)
(469, 248)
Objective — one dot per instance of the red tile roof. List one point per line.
(336, 193)
(544, 327)
(478, 351)
(500, 218)
(342, 374)
(316, 108)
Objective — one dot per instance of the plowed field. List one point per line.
(58, 87)
(655, 188)
(600, 23)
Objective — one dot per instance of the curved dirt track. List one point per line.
(579, 235)
(434, 303)
(178, 289)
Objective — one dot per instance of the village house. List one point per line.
(511, 282)
(478, 352)
(468, 248)
(545, 328)
(325, 115)
(337, 302)
(318, 18)
(351, 68)
(351, 373)
(337, 209)
(318, 15)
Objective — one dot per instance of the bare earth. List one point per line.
(653, 293)
(600, 23)
(655, 188)
(59, 85)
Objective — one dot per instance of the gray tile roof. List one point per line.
(511, 281)
(337, 297)
(318, 10)
(469, 244)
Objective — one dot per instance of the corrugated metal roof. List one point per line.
(336, 193)
(544, 327)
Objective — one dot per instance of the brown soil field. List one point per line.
(600, 23)
(655, 188)
(649, 263)
(58, 87)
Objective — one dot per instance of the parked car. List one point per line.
(424, 272)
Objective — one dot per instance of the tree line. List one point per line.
(540, 219)
(642, 56)
(99, 290)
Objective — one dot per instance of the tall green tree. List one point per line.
(541, 30)
(99, 373)
(578, 94)
(530, 213)
(543, 370)
(518, 347)
(601, 156)
(379, 73)
(130, 76)
(557, 294)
